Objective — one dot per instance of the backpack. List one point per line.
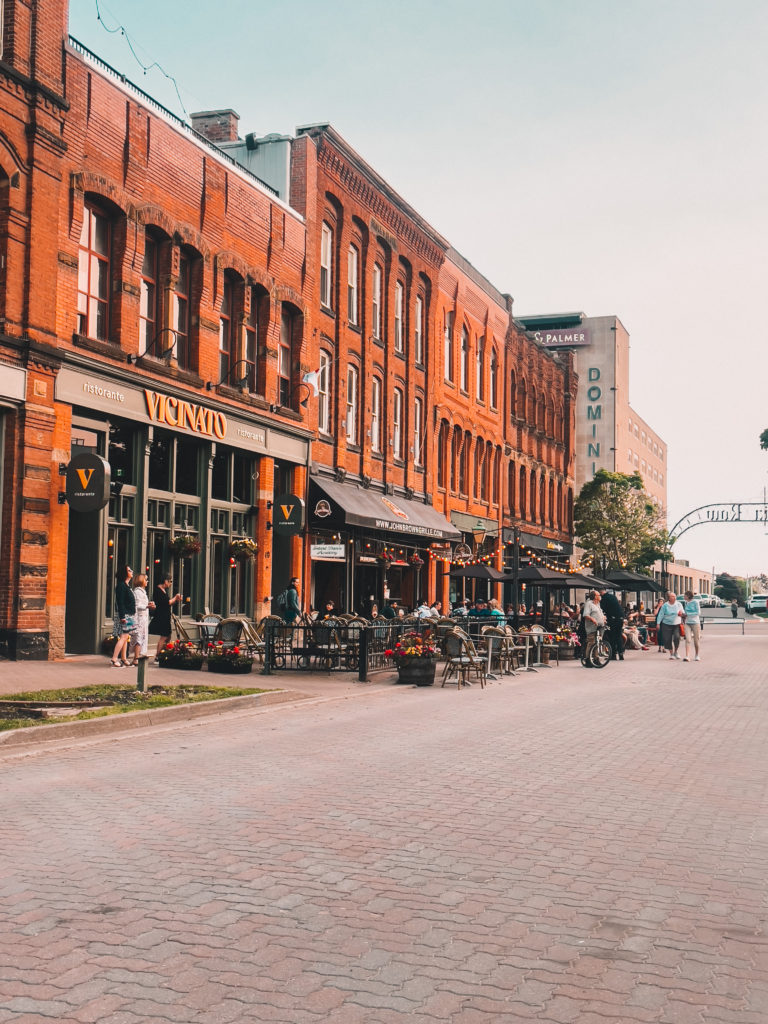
(281, 602)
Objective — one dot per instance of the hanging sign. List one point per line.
(88, 479)
(328, 552)
(287, 515)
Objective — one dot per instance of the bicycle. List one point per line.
(601, 652)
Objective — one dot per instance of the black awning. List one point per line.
(360, 506)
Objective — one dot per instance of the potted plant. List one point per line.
(568, 641)
(180, 654)
(416, 560)
(244, 548)
(385, 557)
(415, 657)
(228, 660)
(185, 545)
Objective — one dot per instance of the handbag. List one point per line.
(129, 623)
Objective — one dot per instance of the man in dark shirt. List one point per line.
(389, 611)
(614, 616)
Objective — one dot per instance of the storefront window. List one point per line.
(122, 453)
(187, 463)
(160, 461)
(220, 475)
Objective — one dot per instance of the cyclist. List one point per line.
(593, 619)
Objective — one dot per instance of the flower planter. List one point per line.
(226, 666)
(191, 663)
(416, 671)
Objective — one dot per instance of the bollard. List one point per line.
(141, 672)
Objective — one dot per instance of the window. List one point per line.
(93, 274)
(397, 424)
(455, 447)
(352, 392)
(399, 340)
(448, 345)
(376, 415)
(226, 330)
(149, 295)
(512, 395)
(464, 360)
(352, 265)
(480, 369)
(251, 341)
(326, 264)
(442, 439)
(418, 420)
(182, 289)
(284, 357)
(376, 302)
(324, 394)
(494, 380)
(418, 330)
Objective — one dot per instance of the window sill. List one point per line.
(355, 327)
(377, 341)
(246, 397)
(102, 348)
(163, 369)
(399, 355)
(328, 311)
(353, 446)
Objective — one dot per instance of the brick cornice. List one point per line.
(372, 192)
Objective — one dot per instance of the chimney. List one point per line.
(216, 125)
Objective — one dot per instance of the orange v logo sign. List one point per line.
(85, 476)
(287, 511)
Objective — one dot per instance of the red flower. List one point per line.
(235, 650)
(387, 654)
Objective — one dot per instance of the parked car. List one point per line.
(709, 601)
(757, 603)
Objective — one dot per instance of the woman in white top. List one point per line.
(139, 634)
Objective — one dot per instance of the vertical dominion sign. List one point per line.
(594, 417)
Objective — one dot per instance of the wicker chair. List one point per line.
(502, 653)
(462, 660)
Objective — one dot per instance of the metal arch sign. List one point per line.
(738, 512)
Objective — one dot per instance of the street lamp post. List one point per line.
(478, 535)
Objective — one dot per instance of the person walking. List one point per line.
(125, 611)
(160, 623)
(657, 614)
(138, 643)
(734, 608)
(593, 618)
(292, 606)
(614, 616)
(692, 610)
(671, 617)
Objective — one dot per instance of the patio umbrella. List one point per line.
(624, 579)
(541, 576)
(479, 572)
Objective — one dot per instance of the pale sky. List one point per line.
(592, 155)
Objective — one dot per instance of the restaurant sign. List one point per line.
(569, 337)
(328, 552)
(88, 480)
(176, 412)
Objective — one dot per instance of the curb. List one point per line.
(37, 734)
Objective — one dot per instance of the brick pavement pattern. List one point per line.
(569, 846)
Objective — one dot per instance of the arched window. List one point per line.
(353, 407)
(324, 393)
(522, 492)
(511, 471)
(532, 495)
(464, 360)
(448, 345)
(512, 395)
(560, 510)
(377, 390)
(398, 411)
(480, 370)
(326, 266)
(531, 410)
(522, 398)
(290, 343)
(418, 432)
(94, 278)
(496, 478)
(542, 499)
(418, 330)
(150, 292)
(477, 489)
(376, 294)
(551, 503)
(256, 319)
(353, 269)
(399, 308)
(442, 453)
(227, 331)
(494, 380)
(464, 472)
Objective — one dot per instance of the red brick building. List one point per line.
(231, 322)
(154, 303)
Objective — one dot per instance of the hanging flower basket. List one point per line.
(185, 545)
(243, 548)
(385, 557)
(416, 561)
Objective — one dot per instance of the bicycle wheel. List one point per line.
(601, 653)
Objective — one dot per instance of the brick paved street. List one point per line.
(568, 846)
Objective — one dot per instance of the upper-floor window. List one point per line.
(480, 370)
(353, 262)
(324, 394)
(399, 332)
(418, 431)
(376, 301)
(180, 299)
(397, 424)
(376, 415)
(352, 404)
(288, 326)
(150, 306)
(464, 360)
(251, 342)
(448, 345)
(93, 274)
(418, 330)
(226, 330)
(494, 380)
(512, 395)
(326, 265)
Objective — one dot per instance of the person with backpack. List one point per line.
(288, 602)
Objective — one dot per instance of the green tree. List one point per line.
(764, 439)
(728, 587)
(619, 522)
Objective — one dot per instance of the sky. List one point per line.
(592, 155)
